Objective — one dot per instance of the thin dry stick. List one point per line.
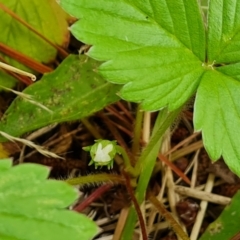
(159, 226)
(20, 78)
(55, 141)
(92, 197)
(120, 224)
(116, 113)
(104, 221)
(203, 207)
(186, 140)
(174, 224)
(195, 168)
(126, 111)
(33, 136)
(146, 126)
(189, 149)
(189, 167)
(210, 197)
(172, 197)
(153, 213)
(145, 137)
(187, 123)
(30, 144)
(174, 168)
(168, 172)
(123, 129)
(16, 70)
(27, 98)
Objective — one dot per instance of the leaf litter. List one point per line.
(108, 208)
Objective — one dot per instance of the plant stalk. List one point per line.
(146, 163)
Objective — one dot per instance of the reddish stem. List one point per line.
(20, 57)
(92, 197)
(137, 207)
(23, 22)
(174, 168)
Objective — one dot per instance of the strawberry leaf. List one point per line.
(217, 114)
(155, 48)
(223, 31)
(34, 207)
(217, 108)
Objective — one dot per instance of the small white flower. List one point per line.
(102, 154)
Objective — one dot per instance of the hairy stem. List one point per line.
(168, 216)
(96, 179)
(146, 163)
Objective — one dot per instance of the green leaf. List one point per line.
(232, 70)
(223, 31)
(33, 207)
(6, 80)
(227, 224)
(155, 48)
(73, 91)
(217, 115)
(217, 108)
(46, 17)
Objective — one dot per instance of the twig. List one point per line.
(16, 70)
(95, 195)
(203, 207)
(30, 144)
(195, 168)
(210, 197)
(174, 224)
(186, 140)
(189, 149)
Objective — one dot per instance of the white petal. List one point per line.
(102, 155)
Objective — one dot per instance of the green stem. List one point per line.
(91, 128)
(137, 132)
(127, 163)
(96, 178)
(146, 163)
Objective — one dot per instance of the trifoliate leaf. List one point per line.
(73, 91)
(155, 48)
(223, 31)
(33, 207)
(217, 114)
(217, 109)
